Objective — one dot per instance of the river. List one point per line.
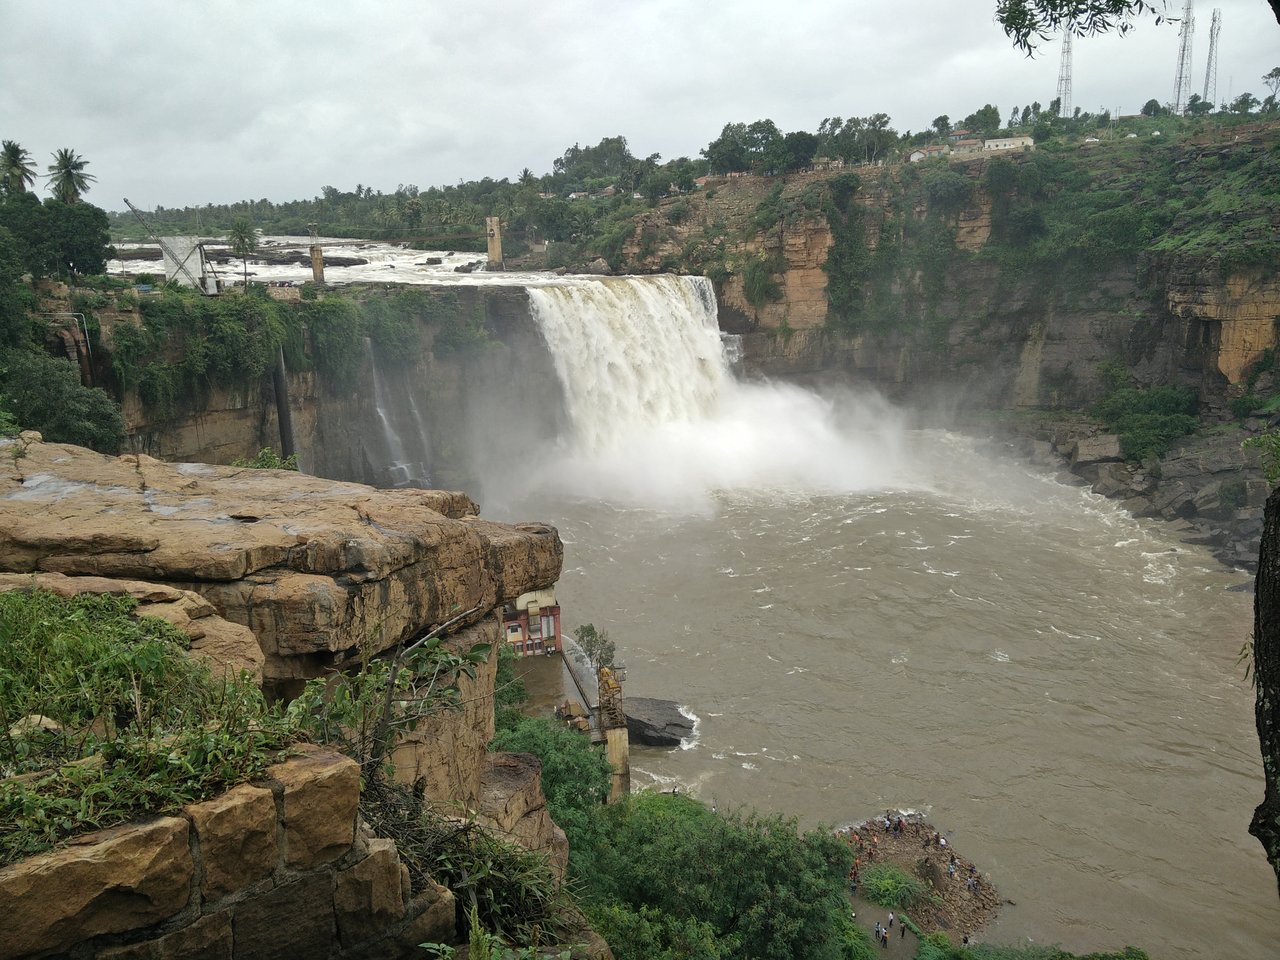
(866, 614)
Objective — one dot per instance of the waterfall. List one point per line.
(632, 353)
(658, 418)
(399, 468)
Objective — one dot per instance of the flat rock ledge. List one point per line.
(314, 568)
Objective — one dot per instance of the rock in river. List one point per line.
(657, 723)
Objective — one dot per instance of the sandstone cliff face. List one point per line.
(1004, 340)
(316, 569)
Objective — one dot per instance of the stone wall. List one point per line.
(270, 869)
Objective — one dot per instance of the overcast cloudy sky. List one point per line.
(185, 103)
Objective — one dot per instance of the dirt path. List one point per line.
(960, 900)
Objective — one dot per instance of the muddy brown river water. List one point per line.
(1052, 682)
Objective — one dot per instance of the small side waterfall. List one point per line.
(401, 467)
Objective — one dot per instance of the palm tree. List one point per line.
(17, 172)
(243, 242)
(67, 179)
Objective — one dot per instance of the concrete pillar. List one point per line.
(493, 226)
(317, 263)
(617, 749)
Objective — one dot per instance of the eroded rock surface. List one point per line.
(315, 568)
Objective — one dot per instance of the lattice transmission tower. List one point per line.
(1064, 77)
(1211, 68)
(1182, 86)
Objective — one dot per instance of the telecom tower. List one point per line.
(1064, 77)
(1182, 87)
(1211, 69)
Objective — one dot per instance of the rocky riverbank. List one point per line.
(958, 898)
(1208, 489)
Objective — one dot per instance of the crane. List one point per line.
(201, 283)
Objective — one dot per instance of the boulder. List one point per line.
(109, 882)
(657, 723)
(1100, 449)
(321, 792)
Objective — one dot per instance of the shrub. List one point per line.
(890, 886)
(45, 393)
(119, 689)
(1148, 421)
(759, 283)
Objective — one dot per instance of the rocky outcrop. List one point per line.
(656, 723)
(316, 569)
(266, 870)
(221, 644)
(1209, 488)
(512, 804)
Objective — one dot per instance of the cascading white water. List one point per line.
(381, 407)
(402, 468)
(632, 352)
(658, 418)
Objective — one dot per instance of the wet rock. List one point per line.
(656, 723)
(1101, 449)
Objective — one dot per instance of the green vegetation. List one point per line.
(268, 459)
(596, 646)
(890, 886)
(1268, 446)
(662, 876)
(1148, 421)
(42, 393)
(112, 720)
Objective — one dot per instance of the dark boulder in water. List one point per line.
(656, 723)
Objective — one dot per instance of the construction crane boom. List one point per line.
(168, 251)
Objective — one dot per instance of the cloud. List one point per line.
(187, 104)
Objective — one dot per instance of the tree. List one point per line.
(942, 125)
(67, 178)
(243, 242)
(17, 170)
(757, 884)
(1152, 108)
(1244, 103)
(44, 393)
(728, 153)
(1272, 80)
(1198, 107)
(597, 648)
(1028, 22)
(985, 121)
(798, 149)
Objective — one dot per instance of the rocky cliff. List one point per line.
(288, 576)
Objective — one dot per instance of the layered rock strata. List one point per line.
(317, 570)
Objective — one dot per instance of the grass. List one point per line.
(104, 718)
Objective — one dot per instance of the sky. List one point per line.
(190, 103)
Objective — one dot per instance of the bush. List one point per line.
(267, 459)
(759, 283)
(45, 393)
(1148, 421)
(890, 886)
